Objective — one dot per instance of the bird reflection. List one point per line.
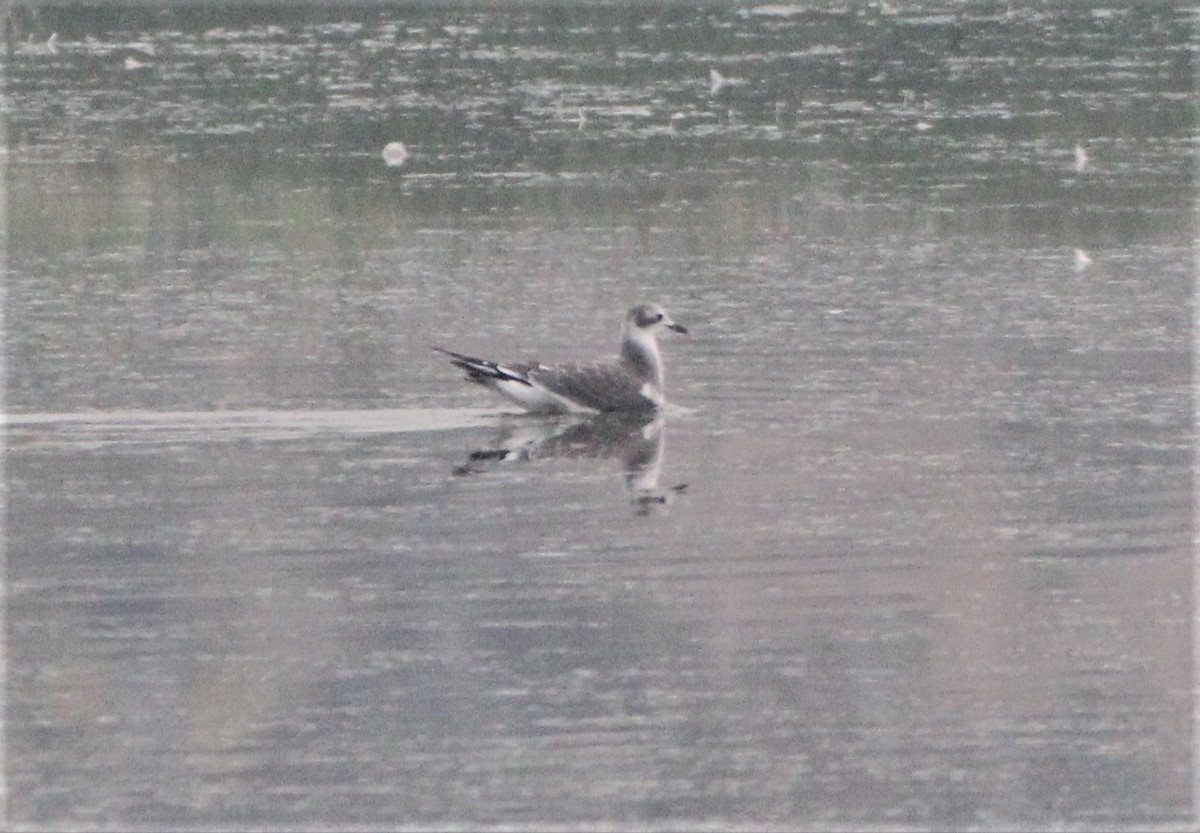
(637, 443)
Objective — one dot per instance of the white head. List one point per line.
(639, 346)
(648, 319)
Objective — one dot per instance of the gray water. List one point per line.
(913, 548)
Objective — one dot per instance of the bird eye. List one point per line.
(658, 317)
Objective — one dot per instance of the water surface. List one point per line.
(914, 550)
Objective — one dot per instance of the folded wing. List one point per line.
(485, 371)
(604, 387)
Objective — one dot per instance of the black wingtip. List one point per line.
(482, 370)
(456, 358)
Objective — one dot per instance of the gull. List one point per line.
(1082, 260)
(630, 383)
(48, 47)
(718, 82)
(395, 154)
(1081, 159)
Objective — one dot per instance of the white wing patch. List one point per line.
(536, 398)
(653, 394)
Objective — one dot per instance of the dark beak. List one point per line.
(679, 328)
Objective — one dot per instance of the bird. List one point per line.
(395, 154)
(716, 82)
(720, 86)
(1081, 159)
(47, 47)
(630, 383)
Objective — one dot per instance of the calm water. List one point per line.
(913, 551)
